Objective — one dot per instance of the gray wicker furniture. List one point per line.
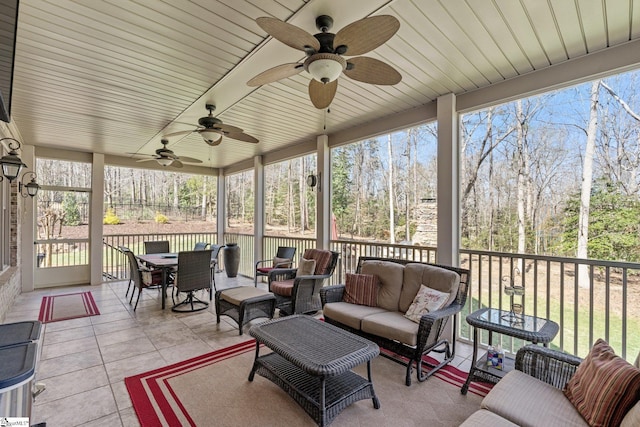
(243, 304)
(533, 329)
(283, 259)
(388, 327)
(312, 361)
(532, 394)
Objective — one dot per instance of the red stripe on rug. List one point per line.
(85, 299)
(147, 388)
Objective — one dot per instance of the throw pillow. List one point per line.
(281, 262)
(306, 267)
(361, 289)
(426, 300)
(604, 387)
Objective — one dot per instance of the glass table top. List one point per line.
(507, 319)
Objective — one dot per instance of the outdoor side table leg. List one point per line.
(255, 362)
(474, 360)
(323, 407)
(376, 402)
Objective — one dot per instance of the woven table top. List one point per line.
(316, 347)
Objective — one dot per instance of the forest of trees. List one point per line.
(554, 174)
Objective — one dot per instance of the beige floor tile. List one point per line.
(69, 347)
(111, 420)
(68, 363)
(65, 385)
(126, 349)
(78, 409)
(129, 418)
(118, 325)
(120, 369)
(120, 336)
(55, 337)
(185, 351)
(67, 324)
(121, 395)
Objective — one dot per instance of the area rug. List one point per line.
(213, 389)
(68, 306)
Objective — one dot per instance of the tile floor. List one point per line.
(84, 361)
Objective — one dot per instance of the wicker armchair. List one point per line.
(301, 294)
(283, 259)
(551, 366)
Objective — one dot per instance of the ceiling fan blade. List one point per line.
(228, 128)
(241, 136)
(176, 164)
(189, 159)
(288, 34)
(322, 94)
(145, 160)
(371, 70)
(182, 132)
(276, 73)
(366, 34)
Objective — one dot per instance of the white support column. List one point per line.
(448, 182)
(323, 190)
(27, 260)
(258, 206)
(95, 221)
(221, 207)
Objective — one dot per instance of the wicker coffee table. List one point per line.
(312, 361)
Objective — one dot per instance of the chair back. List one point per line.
(194, 270)
(286, 252)
(134, 270)
(200, 246)
(325, 260)
(156, 247)
(215, 250)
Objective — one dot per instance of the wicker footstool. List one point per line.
(244, 303)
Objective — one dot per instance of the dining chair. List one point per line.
(124, 251)
(142, 277)
(200, 246)
(194, 274)
(283, 259)
(156, 247)
(215, 251)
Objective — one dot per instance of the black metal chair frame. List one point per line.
(215, 251)
(200, 246)
(194, 274)
(156, 247)
(287, 252)
(135, 275)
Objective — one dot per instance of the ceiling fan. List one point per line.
(325, 53)
(212, 130)
(166, 157)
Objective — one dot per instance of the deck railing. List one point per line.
(606, 304)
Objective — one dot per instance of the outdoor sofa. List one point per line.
(532, 394)
(376, 300)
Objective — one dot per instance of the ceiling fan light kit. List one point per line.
(324, 52)
(210, 136)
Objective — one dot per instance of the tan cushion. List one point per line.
(391, 325)
(281, 262)
(632, 419)
(604, 387)
(282, 287)
(484, 418)
(322, 257)
(437, 278)
(361, 289)
(426, 300)
(390, 275)
(349, 314)
(306, 267)
(526, 401)
(236, 295)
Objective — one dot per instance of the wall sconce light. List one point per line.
(30, 187)
(314, 181)
(11, 163)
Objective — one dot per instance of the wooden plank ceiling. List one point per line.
(113, 76)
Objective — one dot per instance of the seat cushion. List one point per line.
(431, 276)
(527, 401)
(235, 296)
(264, 270)
(349, 314)
(390, 275)
(604, 387)
(282, 287)
(484, 418)
(322, 257)
(391, 325)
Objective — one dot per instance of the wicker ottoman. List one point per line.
(244, 303)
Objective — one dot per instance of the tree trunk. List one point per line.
(585, 192)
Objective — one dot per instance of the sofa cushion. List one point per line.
(632, 419)
(306, 267)
(349, 314)
(391, 275)
(391, 325)
(425, 301)
(431, 276)
(527, 401)
(361, 289)
(484, 418)
(604, 387)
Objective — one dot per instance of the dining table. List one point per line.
(164, 261)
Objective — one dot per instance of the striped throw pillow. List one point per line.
(361, 289)
(604, 387)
